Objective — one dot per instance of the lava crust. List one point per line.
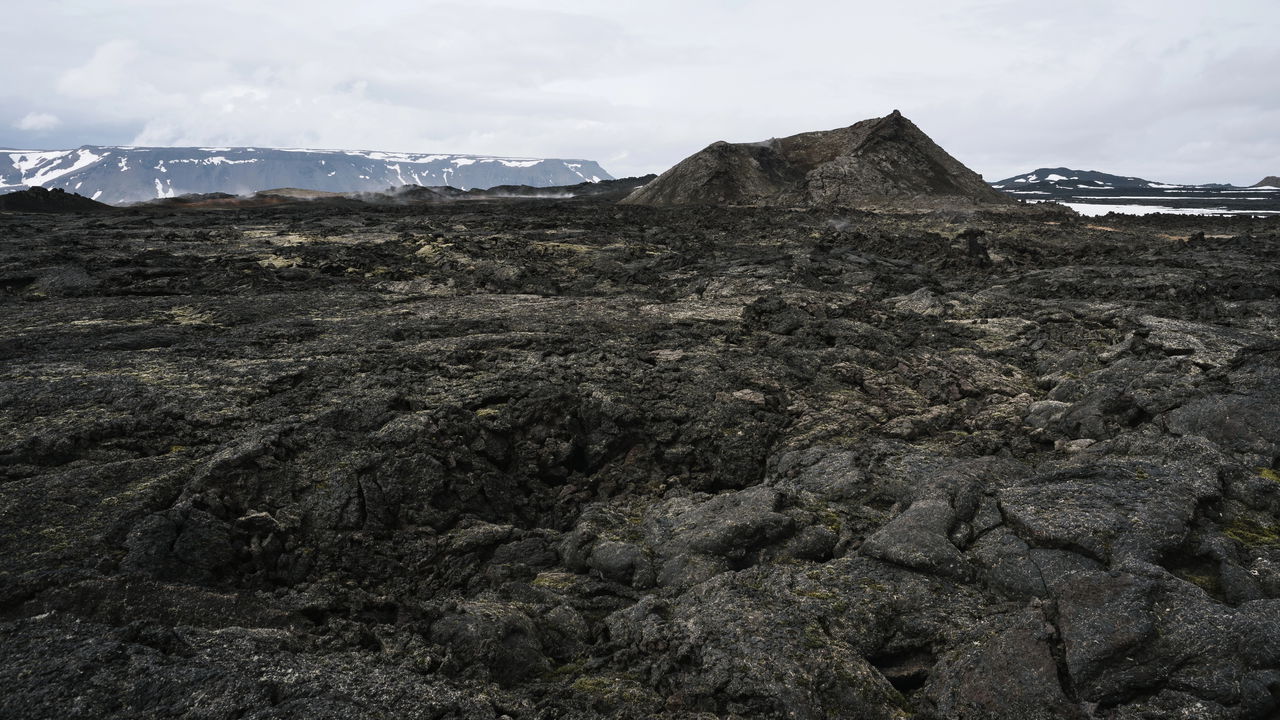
(549, 459)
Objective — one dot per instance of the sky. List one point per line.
(1169, 90)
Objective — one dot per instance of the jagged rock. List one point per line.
(920, 302)
(918, 539)
(1011, 673)
(573, 459)
(1110, 510)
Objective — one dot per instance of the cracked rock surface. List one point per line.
(569, 460)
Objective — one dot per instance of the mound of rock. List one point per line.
(38, 199)
(1268, 181)
(881, 161)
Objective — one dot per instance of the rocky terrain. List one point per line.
(884, 161)
(567, 459)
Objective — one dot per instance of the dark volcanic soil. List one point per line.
(539, 460)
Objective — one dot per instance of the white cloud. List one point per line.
(108, 72)
(1180, 89)
(38, 121)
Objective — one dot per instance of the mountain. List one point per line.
(1270, 181)
(877, 161)
(117, 175)
(602, 191)
(1063, 179)
(1093, 193)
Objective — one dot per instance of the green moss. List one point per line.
(613, 689)
(569, 669)
(872, 585)
(1205, 582)
(1253, 533)
(830, 520)
(814, 637)
(815, 594)
(593, 684)
(1269, 474)
(554, 580)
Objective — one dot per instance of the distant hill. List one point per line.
(119, 175)
(604, 191)
(1048, 179)
(40, 200)
(1270, 181)
(1093, 192)
(882, 160)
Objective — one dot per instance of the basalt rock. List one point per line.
(570, 459)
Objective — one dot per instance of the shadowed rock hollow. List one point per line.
(575, 460)
(879, 161)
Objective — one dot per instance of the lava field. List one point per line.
(571, 459)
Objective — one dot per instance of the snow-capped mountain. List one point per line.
(1092, 192)
(1064, 179)
(118, 175)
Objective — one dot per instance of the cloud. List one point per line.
(108, 72)
(38, 121)
(1179, 90)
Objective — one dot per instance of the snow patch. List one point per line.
(49, 166)
(400, 157)
(1096, 209)
(1176, 197)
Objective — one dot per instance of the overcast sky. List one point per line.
(1172, 90)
